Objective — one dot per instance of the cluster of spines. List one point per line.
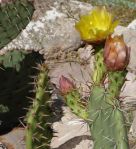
(38, 130)
(76, 104)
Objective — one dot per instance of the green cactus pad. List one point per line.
(116, 80)
(74, 101)
(107, 122)
(14, 16)
(99, 69)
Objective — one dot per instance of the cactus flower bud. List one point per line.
(65, 85)
(116, 53)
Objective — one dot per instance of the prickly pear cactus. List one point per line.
(76, 104)
(99, 70)
(116, 79)
(14, 16)
(38, 131)
(107, 123)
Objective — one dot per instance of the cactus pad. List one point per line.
(107, 122)
(14, 16)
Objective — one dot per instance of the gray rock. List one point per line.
(85, 53)
(133, 126)
(52, 27)
(128, 94)
(14, 139)
(132, 25)
(80, 75)
(72, 133)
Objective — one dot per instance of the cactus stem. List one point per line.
(38, 125)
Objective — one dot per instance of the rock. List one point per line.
(132, 25)
(72, 132)
(128, 94)
(52, 27)
(80, 75)
(133, 126)
(14, 139)
(130, 38)
(85, 53)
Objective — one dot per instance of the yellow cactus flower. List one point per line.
(96, 26)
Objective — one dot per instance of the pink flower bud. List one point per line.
(5, 1)
(116, 53)
(65, 85)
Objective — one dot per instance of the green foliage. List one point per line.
(38, 132)
(12, 59)
(107, 122)
(14, 16)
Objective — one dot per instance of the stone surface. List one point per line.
(133, 126)
(71, 132)
(80, 75)
(132, 25)
(85, 53)
(128, 94)
(14, 139)
(52, 27)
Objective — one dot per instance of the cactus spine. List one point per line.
(38, 132)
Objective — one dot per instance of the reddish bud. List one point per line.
(116, 53)
(5, 1)
(65, 85)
